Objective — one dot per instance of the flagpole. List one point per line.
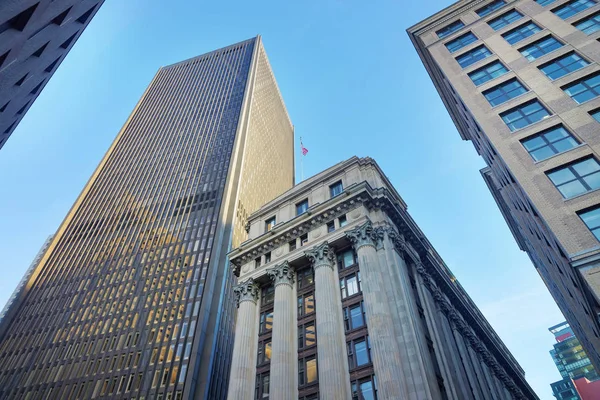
(301, 161)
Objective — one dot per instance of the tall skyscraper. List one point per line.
(341, 296)
(580, 379)
(35, 37)
(520, 80)
(134, 299)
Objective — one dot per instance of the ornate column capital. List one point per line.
(282, 274)
(365, 235)
(398, 240)
(321, 256)
(246, 291)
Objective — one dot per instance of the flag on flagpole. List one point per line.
(304, 149)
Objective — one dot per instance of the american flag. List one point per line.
(304, 149)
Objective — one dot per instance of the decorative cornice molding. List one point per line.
(365, 235)
(321, 256)
(246, 291)
(282, 274)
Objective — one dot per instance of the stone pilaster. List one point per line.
(384, 346)
(284, 356)
(334, 378)
(243, 365)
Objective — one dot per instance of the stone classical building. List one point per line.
(35, 37)
(341, 296)
(134, 296)
(520, 79)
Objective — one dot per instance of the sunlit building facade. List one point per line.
(35, 37)
(341, 296)
(520, 80)
(133, 298)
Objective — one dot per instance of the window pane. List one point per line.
(267, 351)
(352, 285)
(589, 24)
(544, 2)
(592, 221)
(301, 207)
(504, 92)
(472, 56)
(519, 33)
(540, 47)
(336, 189)
(311, 370)
(505, 19)
(310, 334)
(453, 27)
(563, 65)
(489, 8)
(524, 115)
(309, 304)
(347, 258)
(356, 317)
(550, 142)
(366, 389)
(577, 178)
(487, 73)
(362, 357)
(585, 89)
(573, 7)
(460, 42)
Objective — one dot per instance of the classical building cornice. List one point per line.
(282, 274)
(246, 291)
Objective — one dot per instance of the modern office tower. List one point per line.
(341, 296)
(35, 37)
(520, 80)
(134, 299)
(26, 277)
(580, 379)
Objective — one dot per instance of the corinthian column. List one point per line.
(284, 356)
(243, 365)
(384, 347)
(334, 378)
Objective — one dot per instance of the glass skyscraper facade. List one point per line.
(133, 298)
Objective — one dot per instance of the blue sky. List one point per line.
(353, 85)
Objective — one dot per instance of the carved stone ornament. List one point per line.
(365, 235)
(246, 291)
(282, 274)
(321, 256)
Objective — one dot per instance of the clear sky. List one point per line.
(353, 85)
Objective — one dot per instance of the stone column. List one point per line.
(243, 364)
(385, 351)
(284, 356)
(334, 378)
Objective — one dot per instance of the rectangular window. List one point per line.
(330, 227)
(364, 389)
(262, 386)
(472, 56)
(266, 322)
(292, 245)
(267, 257)
(505, 91)
(306, 304)
(449, 29)
(540, 47)
(563, 65)
(343, 221)
(350, 285)
(307, 370)
(505, 19)
(306, 335)
(305, 278)
(584, 89)
(595, 114)
(302, 207)
(489, 8)
(336, 189)
(544, 3)
(264, 352)
(549, 142)
(257, 262)
(591, 219)
(589, 24)
(359, 352)
(524, 115)
(573, 7)
(487, 73)
(346, 259)
(268, 295)
(460, 42)
(270, 223)
(521, 32)
(303, 239)
(354, 316)
(576, 178)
